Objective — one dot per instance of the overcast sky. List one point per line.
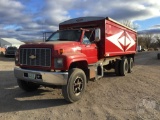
(27, 19)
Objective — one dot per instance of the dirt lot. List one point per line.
(133, 97)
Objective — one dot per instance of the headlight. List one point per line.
(58, 62)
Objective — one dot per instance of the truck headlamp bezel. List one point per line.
(58, 62)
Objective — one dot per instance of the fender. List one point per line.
(74, 57)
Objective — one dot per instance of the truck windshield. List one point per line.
(65, 35)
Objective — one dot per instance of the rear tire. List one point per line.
(123, 67)
(27, 86)
(76, 85)
(117, 67)
(158, 55)
(130, 65)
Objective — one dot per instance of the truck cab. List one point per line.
(81, 41)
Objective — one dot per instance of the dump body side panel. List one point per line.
(119, 40)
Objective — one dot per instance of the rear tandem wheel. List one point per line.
(123, 67)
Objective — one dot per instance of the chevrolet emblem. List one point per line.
(32, 57)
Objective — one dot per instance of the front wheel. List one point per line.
(76, 85)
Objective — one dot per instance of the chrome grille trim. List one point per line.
(42, 57)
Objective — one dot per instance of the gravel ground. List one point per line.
(135, 96)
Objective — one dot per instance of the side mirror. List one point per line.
(97, 34)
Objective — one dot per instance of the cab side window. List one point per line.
(86, 40)
(88, 37)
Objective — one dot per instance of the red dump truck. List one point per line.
(82, 49)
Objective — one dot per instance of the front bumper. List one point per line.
(53, 78)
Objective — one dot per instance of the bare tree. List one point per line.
(145, 40)
(157, 37)
(141, 40)
(130, 24)
(148, 40)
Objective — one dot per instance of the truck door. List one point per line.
(89, 49)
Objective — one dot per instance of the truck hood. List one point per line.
(67, 46)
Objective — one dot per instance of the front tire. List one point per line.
(27, 86)
(76, 85)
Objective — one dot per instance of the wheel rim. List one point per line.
(78, 86)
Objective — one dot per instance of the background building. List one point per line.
(5, 42)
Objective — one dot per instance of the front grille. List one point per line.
(35, 57)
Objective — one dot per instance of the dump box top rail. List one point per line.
(90, 19)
